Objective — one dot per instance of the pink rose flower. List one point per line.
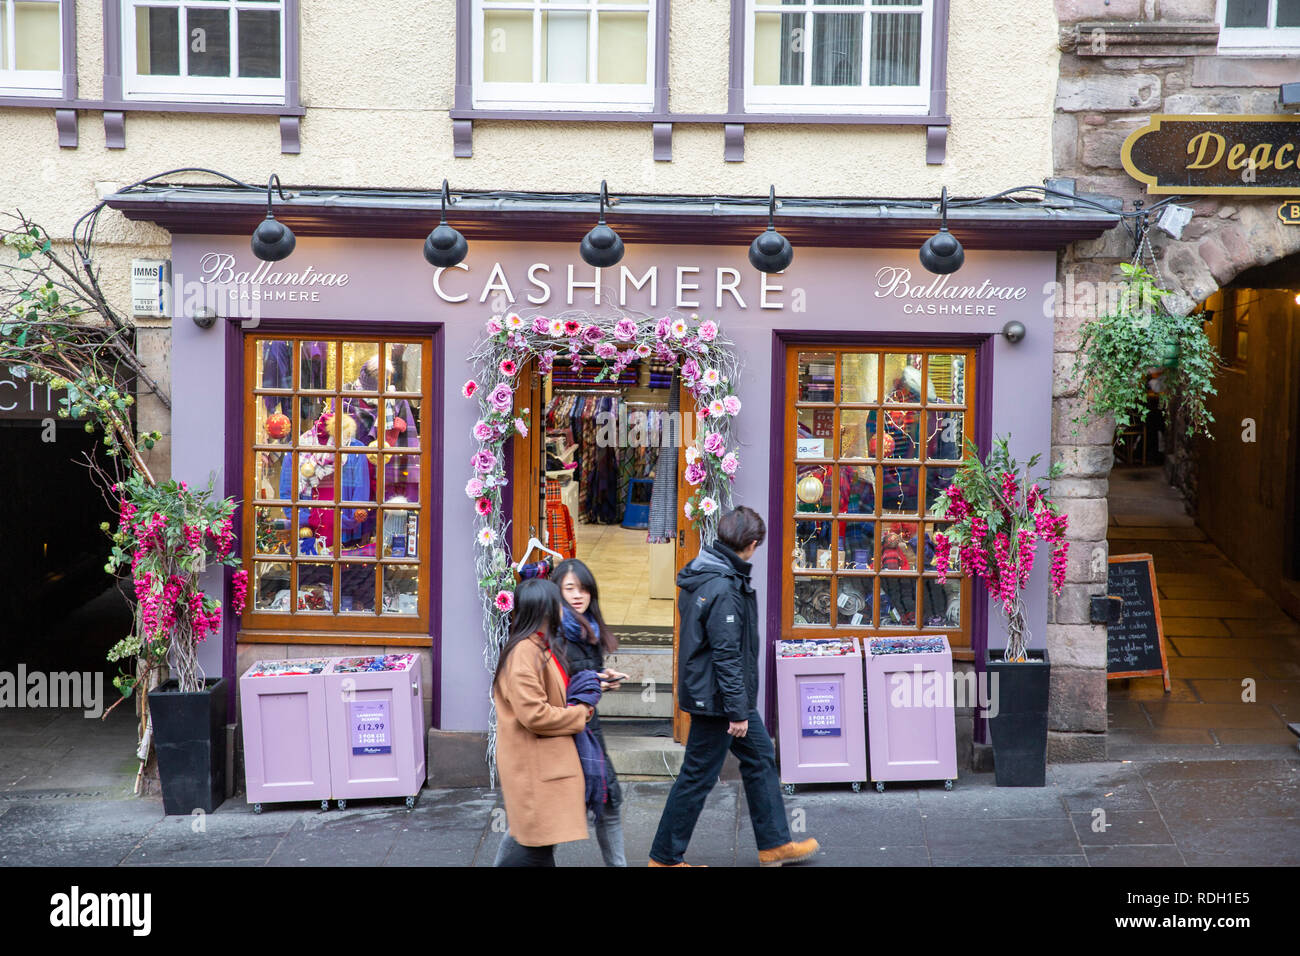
(730, 463)
(695, 473)
(625, 330)
(483, 461)
(714, 444)
(483, 431)
(708, 330)
(592, 334)
(501, 398)
(690, 370)
(521, 428)
(541, 324)
(732, 404)
(474, 487)
(662, 327)
(494, 325)
(606, 350)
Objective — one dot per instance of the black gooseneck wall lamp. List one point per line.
(445, 246)
(771, 251)
(601, 247)
(272, 239)
(942, 253)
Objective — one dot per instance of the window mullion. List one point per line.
(11, 45)
(232, 69)
(537, 42)
(593, 43)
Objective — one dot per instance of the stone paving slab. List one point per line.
(1164, 813)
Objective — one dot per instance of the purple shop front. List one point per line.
(376, 288)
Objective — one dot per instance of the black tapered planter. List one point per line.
(189, 736)
(1019, 728)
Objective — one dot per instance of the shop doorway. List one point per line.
(600, 477)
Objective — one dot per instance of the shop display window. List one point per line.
(336, 515)
(31, 52)
(874, 436)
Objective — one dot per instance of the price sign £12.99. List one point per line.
(820, 709)
(371, 728)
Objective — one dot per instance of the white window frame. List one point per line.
(199, 89)
(806, 98)
(1269, 40)
(14, 82)
(580, 97)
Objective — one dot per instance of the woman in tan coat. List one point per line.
(541, 777)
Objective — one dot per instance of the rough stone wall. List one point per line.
(1102, 98)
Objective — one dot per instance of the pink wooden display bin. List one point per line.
(286, 757)
(911, 721)
(819, 707)
(376, 727)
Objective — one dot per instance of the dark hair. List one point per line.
(741, 526)
(587, 581)
(538, 606)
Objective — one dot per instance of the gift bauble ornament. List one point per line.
(810, 489)
(888, 444)
(308, 469)
(277, 426)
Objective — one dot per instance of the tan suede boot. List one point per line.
(788, 853)
(654, 862)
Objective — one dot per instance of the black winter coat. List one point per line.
(717, 655)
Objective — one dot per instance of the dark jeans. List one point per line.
(706, 751)
(513, 853)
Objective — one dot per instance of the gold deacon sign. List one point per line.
(1215, 154)
(1289, 212)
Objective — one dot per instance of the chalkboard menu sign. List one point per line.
(1135, 647)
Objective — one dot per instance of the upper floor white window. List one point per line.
(838, 56)
(582, 55)
(203, 50)
(31, 53)
(1259, 25)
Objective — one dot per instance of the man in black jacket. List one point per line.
(717, 683)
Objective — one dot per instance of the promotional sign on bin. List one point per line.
(819, 707)
(376, 718)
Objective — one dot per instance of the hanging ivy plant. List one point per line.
(1139, 339)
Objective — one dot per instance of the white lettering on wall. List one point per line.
(733, 286)
(763, 289)
(535, 268)
(496, 283)
(651, 276)
(594, 285)
(437, 285)
(683, 287)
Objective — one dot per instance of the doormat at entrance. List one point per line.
(644, 635)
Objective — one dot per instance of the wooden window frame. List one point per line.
(356, 628)
(960, 638)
